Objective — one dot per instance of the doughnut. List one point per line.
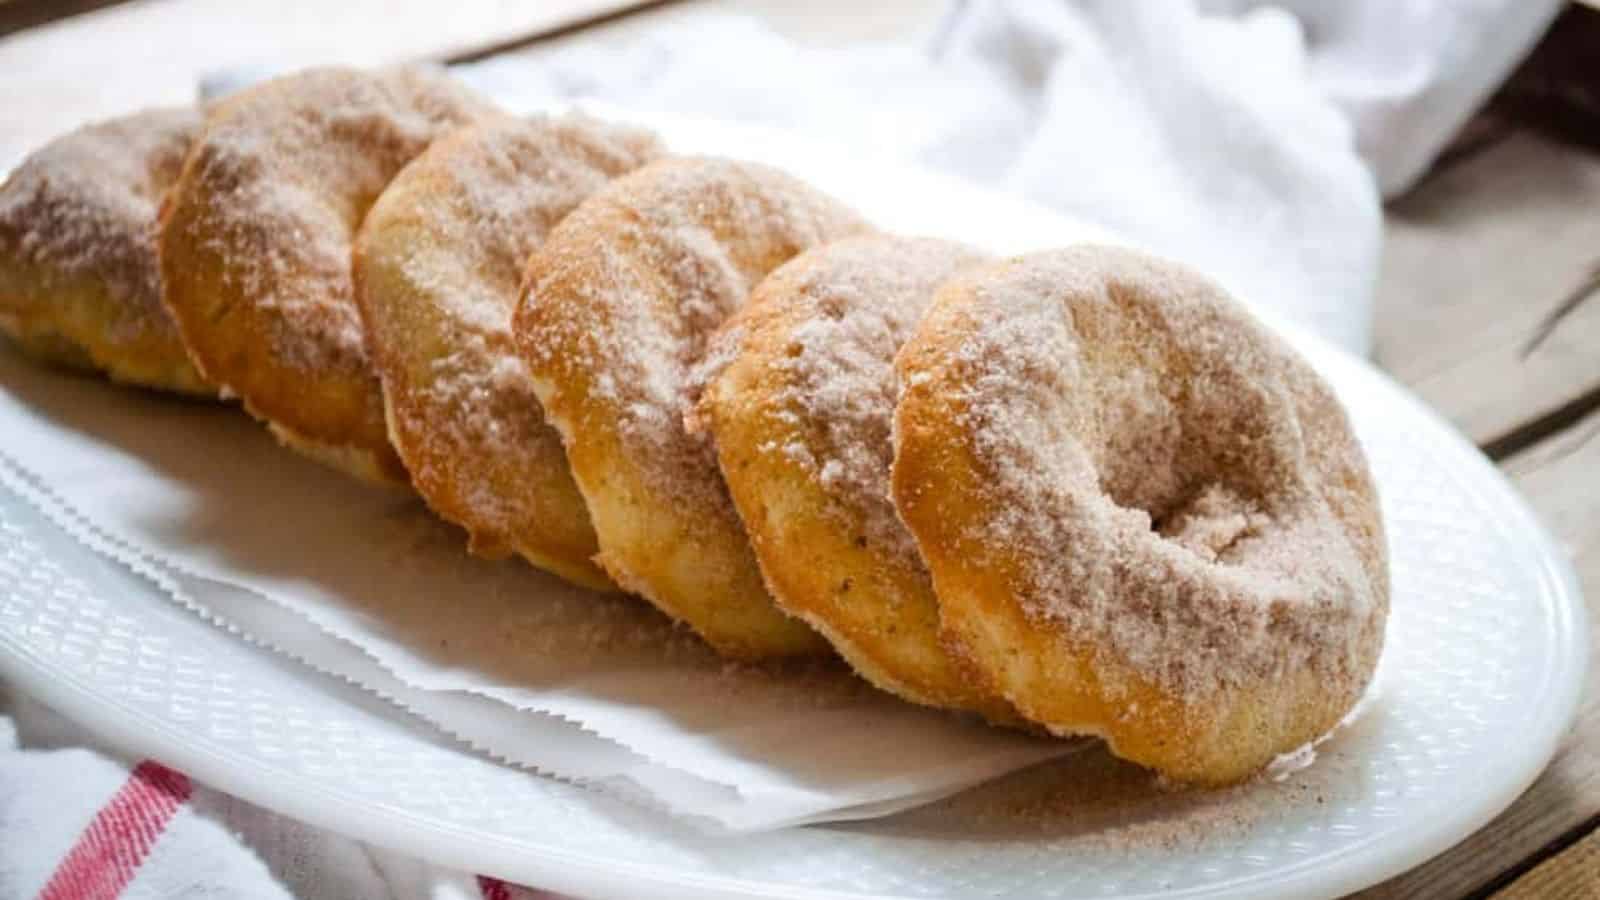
(256, 238)
(438, 265)
(617, 308)
(1146, 518)
(801, 417)
(79, 282)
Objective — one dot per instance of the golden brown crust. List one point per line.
(255, 246)
(801, 418)
(438, 264)
(79, 280)
(1146, 518)
(616, 310)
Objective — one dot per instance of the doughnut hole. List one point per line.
(1191, 445)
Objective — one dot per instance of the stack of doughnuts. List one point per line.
(1079, 491)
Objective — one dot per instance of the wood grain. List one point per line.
(1473, 261)
(15, 15)
(1573, 874)
(1561, 478)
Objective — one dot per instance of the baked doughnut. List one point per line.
(255, 246)
(1145, 516)
(438, 264)
(801, 417)
(616, 310)
(79, 283)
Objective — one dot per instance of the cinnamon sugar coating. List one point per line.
(617, 309)
(1145, 516)
(79, 281)
(801, 417)
(438, 264)
(256, 239)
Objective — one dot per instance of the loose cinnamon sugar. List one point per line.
(86, 204)
(1179, 487)
(1092, 803)
(1108, 809)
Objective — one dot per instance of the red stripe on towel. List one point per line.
(115, 843)
(493, 888)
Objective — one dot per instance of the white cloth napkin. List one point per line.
(1249, 139)
(1245, 137)
(81, 821)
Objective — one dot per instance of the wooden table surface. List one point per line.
(1475, 258)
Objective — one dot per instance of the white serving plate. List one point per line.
(1486, 654)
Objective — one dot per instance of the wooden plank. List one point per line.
(1574, 873)
(15, 15)
(147, 53)
(1559, 477)
(1473, 261)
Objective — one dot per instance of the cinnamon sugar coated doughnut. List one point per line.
(79, 281)
(256, 238)
(801, 417)
(1146, 517)
(617, 308)
(438, 264)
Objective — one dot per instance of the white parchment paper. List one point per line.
(364, 583)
